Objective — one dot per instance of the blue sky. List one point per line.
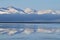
(35, 4)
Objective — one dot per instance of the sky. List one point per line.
(34, 4)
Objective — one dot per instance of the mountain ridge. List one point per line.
(13, 10)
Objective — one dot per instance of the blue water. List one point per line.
(20, 35)
(29, 18)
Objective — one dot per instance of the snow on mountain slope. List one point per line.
(46, 12)
(13, 10)
(10, 10)
(29, 11)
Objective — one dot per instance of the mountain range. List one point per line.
(12, 14)
(13, 10)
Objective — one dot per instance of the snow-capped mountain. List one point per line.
(10, 10)
(46, 12)
(30, 11)
(13, 10)
(29, 15)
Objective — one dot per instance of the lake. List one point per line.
(29, 31)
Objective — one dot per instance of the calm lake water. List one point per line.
(28, 31)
